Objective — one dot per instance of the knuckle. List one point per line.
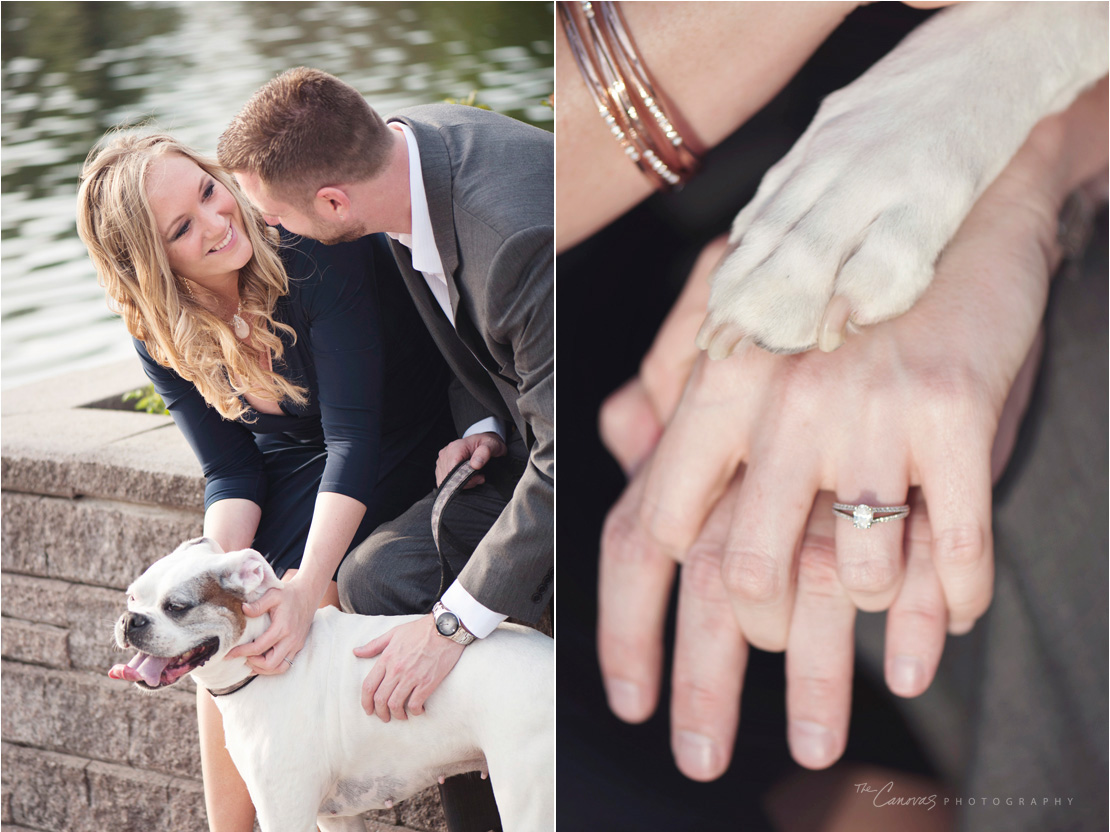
(700, 699)
(959, 547)
(752, 576)
(623, 539)
(620, 654)
(953, 394)
(876, 574)
(701, 574)
(818, 688)
(818, 571)
(923, 616)
(666, 530)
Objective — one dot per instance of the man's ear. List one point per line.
(248, 574)
(332, 203)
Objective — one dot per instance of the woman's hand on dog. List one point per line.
(291, 610)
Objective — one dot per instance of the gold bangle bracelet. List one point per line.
(624, 93)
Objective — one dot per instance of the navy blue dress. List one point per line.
(376, 414)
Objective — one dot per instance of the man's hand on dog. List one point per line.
(414, 660)
(478, 449)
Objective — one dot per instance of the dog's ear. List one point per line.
(205, 544)
(248, 573)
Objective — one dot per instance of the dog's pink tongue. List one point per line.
(142, 667)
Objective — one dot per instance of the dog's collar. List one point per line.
(233, 688)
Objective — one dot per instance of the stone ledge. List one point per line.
(27, 641)
(89, 614)
(62, 792)
(118, 541)
(35, 599)
(93, 717)
(54, 445)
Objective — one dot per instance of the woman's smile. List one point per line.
(226, 241)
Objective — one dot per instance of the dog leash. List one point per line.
(450, 487)
(502, 474)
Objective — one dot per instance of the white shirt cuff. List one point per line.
(491, 424)
(478, 619)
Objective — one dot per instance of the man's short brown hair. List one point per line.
(304, 130)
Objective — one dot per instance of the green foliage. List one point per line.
(148, 400)
(470, 101)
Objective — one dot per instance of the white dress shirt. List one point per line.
(477, 618)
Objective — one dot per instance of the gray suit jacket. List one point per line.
(489, 181)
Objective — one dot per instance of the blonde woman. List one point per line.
(300, 374)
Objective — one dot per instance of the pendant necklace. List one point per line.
(240, 328)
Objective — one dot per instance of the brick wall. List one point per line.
(91, 497)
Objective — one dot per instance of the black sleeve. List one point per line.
(341, 309)
(228, 456)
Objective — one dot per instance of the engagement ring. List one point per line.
(863, 515)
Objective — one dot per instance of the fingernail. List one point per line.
(705, 335)
(830, 333)
(626, 699)
(906, 675)
(813, 745)
(697, 754)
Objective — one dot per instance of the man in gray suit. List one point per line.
(467, 197)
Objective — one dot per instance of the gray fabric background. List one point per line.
(1019, 708)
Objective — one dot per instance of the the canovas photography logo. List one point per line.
(886, 795)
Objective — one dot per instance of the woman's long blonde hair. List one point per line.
(117, 224)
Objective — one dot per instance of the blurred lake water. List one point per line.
(73, 70)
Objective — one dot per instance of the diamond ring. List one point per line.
(863, 515)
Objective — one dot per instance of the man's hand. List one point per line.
(414, 660)
(478, 448)
(711, 653)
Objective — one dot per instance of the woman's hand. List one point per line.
(916, 400)
(291, 610)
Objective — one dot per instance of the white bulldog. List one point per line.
(308, 752)
(847, 227)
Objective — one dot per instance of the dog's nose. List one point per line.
(135, 621)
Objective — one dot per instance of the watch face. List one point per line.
(447, 623)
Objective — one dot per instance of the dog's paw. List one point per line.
(861, 207)
(858, 211)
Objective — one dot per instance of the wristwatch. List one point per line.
(449, 626)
